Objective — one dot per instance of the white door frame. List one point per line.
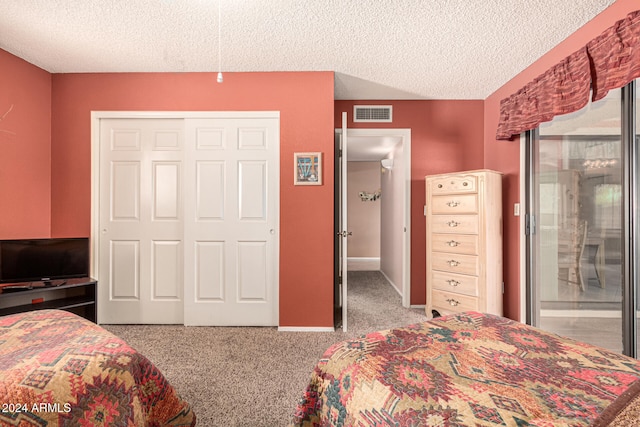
(405, 136)
(96, 116)
(344, 158)
(522, 209)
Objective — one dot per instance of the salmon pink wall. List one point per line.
(305, 102)
(25, 149)
(504, 156)
(446, 136)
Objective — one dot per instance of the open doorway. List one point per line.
(378, 204)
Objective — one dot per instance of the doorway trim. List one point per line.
(522, 212)
(405, 136)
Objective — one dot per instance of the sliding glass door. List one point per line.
(632, 100)
(579, 220)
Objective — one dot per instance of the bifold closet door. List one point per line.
(231, 222)
(189, 220)
(141, 221)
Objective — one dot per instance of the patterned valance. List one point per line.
(562, 89)
(615, 56)
(609, 61)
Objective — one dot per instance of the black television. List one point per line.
(45, 260)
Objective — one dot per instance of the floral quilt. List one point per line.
(470, 369)
(58, 369)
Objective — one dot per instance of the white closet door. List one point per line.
(232, 221)
(141, 221)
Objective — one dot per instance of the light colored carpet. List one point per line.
(254, 377)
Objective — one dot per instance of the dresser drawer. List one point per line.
(454, 243)
(454, 204)
(455, 263)
(462, 224)
(454, 184)
(453, 302)
(450, 282)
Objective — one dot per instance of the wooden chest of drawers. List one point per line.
(464, 242)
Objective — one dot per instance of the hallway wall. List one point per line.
(363, 217)
(392, 221)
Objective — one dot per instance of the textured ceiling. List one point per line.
(379, 49)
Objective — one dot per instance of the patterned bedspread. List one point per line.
(470, 369)
(57, 369)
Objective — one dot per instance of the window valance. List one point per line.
(615, 56)
(560, 90)
(607, 62)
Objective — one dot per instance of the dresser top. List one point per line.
(470, 172)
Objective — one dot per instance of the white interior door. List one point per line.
(231, 224)
(140, 224)
(343, 217)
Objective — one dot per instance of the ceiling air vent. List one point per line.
(372, 113)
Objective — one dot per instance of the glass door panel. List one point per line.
(635, 216)
(577, 208)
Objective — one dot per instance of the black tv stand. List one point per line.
(76, 295)
(52, 283)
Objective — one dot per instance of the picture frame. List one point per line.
(307, 168)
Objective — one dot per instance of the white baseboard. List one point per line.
(393, 285)
(305, 329)
(363, 264)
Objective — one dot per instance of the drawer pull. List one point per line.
(439, 185)
(453, 282)
(453, 223)
(453, 302)
(453, 243)
(465, 184)
(453, 204)
(453, 263)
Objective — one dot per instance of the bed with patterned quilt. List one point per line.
(470, 369)
(58, 369)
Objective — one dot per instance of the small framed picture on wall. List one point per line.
(308, 168)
